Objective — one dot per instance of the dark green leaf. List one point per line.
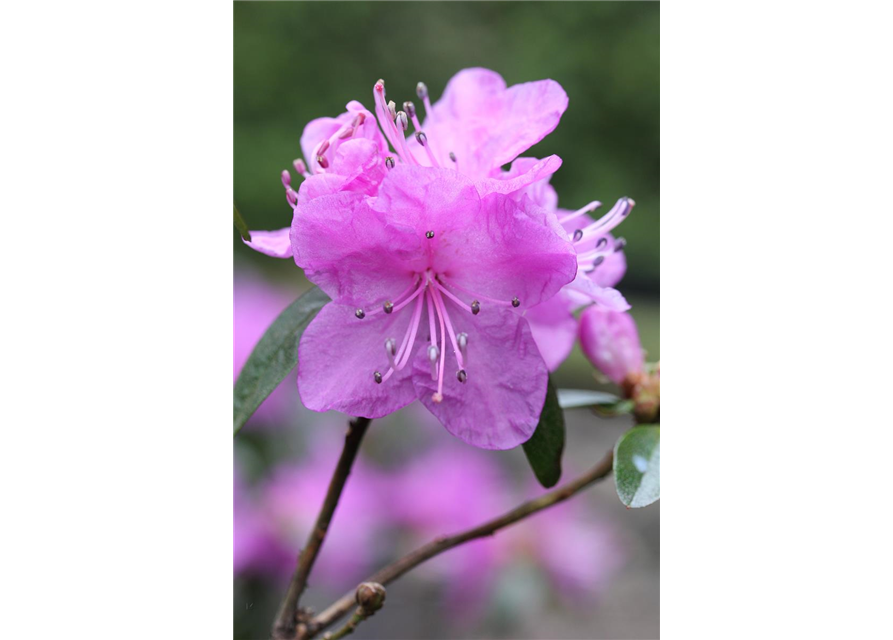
(240, 224)
(274, 356)
(637, 466)
(547, 443)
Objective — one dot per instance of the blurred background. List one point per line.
(587, 569)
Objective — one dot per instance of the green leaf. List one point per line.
(274, 356)
(637, 466)
(619, 408)
(577, 398)
(240, 224)
(546, 445)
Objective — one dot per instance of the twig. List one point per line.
(286, 623)
(370, 597)
(439, 545)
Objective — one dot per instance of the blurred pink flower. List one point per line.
(256, 304)
(450, 488)
(293, 496)
(611, 343)
(255, 546)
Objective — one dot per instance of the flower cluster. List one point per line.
(453, 281)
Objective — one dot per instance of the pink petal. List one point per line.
(338, 356)
(487, 125)
(554, 329)
(584, 290)
(498, 406)
(357, 166)
(324, 128)
(350, 251)
(272, 243)
(524, 173)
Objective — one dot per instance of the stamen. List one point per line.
(286, 178)
(611, 219)
(392, 109)
(347, 133)
(441, 309)
(592, 206)
(291, 195)
(387, 125)
(323, 147)
(433, 355)
(598, 261)
(359, 313)
(515, 302)
(408, 340)
(602, 242)
(475, 307)
(454, 298)
(422, 139)
(402, 121)
(390, 347)
(388, 307)
(440, 315)
(389, 162)
(322, 162)
(422, 92)
(409, 108)
(377, 377)
(471, 293)
(429, 234)
(462, 376)
(397, 307)
(453, 156)
(462, 341)
(619, 244)
(300, 167)
(578, 234)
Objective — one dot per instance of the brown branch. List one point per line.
(285, 626)
(439, 545)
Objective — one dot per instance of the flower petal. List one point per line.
(487, 125)
(584, 290)
(272, 243)
(357, 166)
(499, 405)
(351, 252)
(554, 329)
(322, 129)
(527, 174)
(338, 356)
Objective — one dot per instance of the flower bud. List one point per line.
(611, 342)
(370, 596)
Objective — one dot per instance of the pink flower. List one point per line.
(255, 546)
(449, 489)
(293, 496)
(454, 245)
(611, 342)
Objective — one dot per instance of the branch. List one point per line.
(439, 545)
(286, 623)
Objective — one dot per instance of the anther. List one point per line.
(286, 178)
(421, 138)
(389, 162)
(322, 162)
(402, 121)
(429, 234)
(462, 341)
(291, 195)
(598, 261)
(377, 376)
(323, 148)
(390, 348)
(409, 108)
(388, 307)
(462, 376)
(392, 108)
(578, 234)
(620, 244)
(433, 353)
(360, 314)
(359, 120)
(516, 303)
(452, 156)
(300, 167)
(346, 134)
(379, 86)
(421, 90)
(475, 307)
(601, 243)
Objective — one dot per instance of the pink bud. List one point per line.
(286, 179)
(611, 342)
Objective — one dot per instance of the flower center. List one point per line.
(433, 291)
